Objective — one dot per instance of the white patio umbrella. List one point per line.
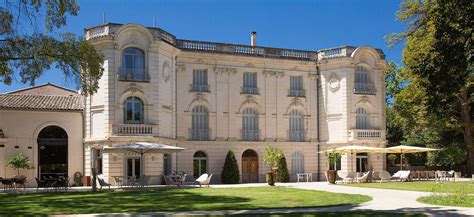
(143, 148)
(351, 149)
(404, 149)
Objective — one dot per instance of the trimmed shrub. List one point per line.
(230, 172)
(282, 174)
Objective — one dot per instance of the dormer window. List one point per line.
(362, 84)
(133, 65)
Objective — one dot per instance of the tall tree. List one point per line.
(394, 84)
(29, 44)
(439, 52)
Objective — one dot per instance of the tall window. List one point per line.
(250, 125)
(97, 159)
(362, 162)
(362, 121)
(134, 111)
(133, 66)
(296, 86)
(199, 164)
(200, 123)
(297, 163)
(362, 84)
(199, 81)
(296, 132)
(250, 83)
(167, 162)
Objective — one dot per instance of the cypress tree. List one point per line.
(230, 172)
(282, 174)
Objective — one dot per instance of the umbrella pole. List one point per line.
(401, 161)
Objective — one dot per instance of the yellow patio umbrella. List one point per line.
(404, 149)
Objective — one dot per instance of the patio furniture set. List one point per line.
(13, 183)
(402, 175)
(53, 183)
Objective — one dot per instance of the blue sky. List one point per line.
(297, 24)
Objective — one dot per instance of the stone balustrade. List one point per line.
(360, 134)
(134, 129)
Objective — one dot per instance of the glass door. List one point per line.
(134, 168)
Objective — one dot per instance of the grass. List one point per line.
(448, 200)
(426, 186)
(171, 200)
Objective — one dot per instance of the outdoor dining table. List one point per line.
(305, 176)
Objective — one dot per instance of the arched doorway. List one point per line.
(52, 152)
(249, 166)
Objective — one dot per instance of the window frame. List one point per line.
(134, 100)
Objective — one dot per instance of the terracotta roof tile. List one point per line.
(41, 102)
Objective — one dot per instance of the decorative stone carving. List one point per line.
(313, 76)
(133, 89)
(334, 83)
(166, 71)
(133, 38)
(225, 70)
(180, 67)
(363, 58)
(270, 73)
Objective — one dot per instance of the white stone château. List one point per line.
(210, 98)
(213, 97)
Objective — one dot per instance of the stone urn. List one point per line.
(331, 175)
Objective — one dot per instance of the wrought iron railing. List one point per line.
(250, 135)
(199, 134)
(127, 74)
(364, 88)
(249, 90)
(296, 93)
(199, 87)
(296, 135)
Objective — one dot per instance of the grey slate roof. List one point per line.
(41, 102)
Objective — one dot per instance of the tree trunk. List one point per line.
(467, 131)
(94, 178)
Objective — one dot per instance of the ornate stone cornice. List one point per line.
(270, 73)
(225, 70)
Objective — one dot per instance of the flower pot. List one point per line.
(270, 178)
(331, 175)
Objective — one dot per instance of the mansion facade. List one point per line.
(210, 98)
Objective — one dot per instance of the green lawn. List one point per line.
(170, 200)
(427, 186)
(448, 200)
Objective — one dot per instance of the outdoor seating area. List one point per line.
(13, 183)
(401, 175)
(61, 183)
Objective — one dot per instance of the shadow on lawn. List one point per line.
(113, 202)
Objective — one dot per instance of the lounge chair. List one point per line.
(451, 175)
(169, 182)
(384, 175)
(402, 175)
(349, 177)
(364, 177)
(143, 181)
(339, 176)
(102, 182)
(204, 179)
(440, 175)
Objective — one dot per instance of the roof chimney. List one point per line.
(253, 38)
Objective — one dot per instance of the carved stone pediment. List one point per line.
(133, 88)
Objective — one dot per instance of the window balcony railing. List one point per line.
(362, 134)
(364, 88)
(250, 135)
(126, 74)
(296, 93)
(199, 134)
(249, 90)
(134, 129)
(296, 135)
(199, 87)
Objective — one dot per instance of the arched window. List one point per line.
(361, 75)
(52, 152)
(200, 123)
(297, 163)
(134, 112)
(250, 125)
(133, 65)
(362, 121)
(296, 132)
(199, 164)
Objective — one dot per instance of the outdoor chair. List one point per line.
(19, 181)
(40, 184)
(204, 179)
(102, 182)
(349, 177)
(450, 175)
(402, 175)
(384, 176)
(7, 184)
(339, 175)
(363, 178)
(169, 182)
(431, 175)
(143, 181)
(440, 175)
(118, 181)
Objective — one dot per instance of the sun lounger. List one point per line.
(204, 179)
(363, 178)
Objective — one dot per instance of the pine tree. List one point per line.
(282, 174)
(230, 172)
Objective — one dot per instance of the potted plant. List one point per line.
(19, 161)
(333, 157)
(272, 158)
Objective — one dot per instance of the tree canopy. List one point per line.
(29, 44)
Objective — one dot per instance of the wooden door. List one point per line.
(249, 167)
